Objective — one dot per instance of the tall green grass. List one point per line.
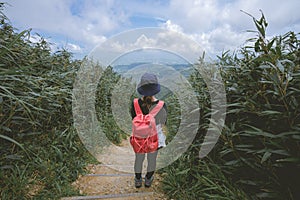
(258, 153)
(256, 157)
(107, 83)
(40, 152)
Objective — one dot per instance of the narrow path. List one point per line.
(105, 181)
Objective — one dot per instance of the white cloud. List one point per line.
(221, 39)
(171, 26)
(73, 47)
(35, 38)
(196, 16)
(193, 15)
(215, 24)
(280, 15)
(90, 25)
(147, 38)
(143, 41)
(219, 26)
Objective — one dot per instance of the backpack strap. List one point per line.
(137, 108)
(157, 108)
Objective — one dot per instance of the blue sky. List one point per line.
(217, 25)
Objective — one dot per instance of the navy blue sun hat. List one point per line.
(149, 85)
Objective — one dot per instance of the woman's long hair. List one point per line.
(147, 102)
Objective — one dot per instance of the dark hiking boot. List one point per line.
(148, 182)
(138, 182)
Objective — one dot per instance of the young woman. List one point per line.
(148, 87)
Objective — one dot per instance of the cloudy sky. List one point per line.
(217, 25)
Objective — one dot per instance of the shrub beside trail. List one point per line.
(258, 153)
(40, 152)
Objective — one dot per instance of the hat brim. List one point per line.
(149, 89)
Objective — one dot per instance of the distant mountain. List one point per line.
(184, 69)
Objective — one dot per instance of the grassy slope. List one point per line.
(40, 152)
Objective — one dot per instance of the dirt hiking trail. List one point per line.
(114, 178)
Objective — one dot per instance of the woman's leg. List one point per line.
(138, 164)
(151, 158)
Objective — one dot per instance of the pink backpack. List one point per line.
(144, 138)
